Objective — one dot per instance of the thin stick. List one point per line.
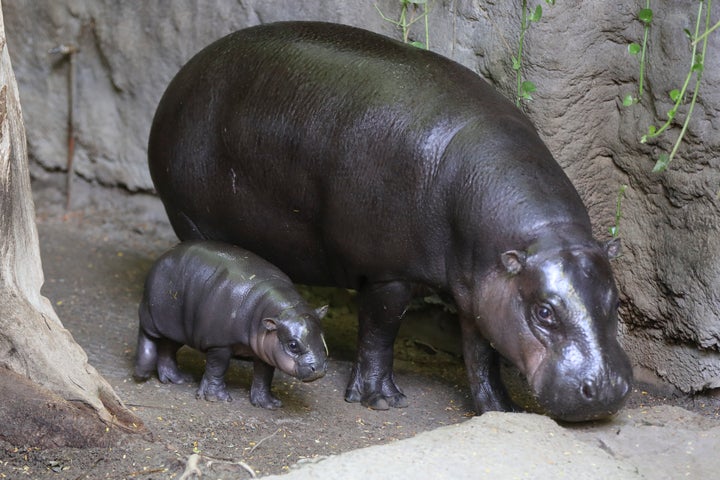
(261, 441)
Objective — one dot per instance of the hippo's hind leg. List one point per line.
(167, 367)
(260, 394)
(382, 307)
(145, 356)
(212, 386)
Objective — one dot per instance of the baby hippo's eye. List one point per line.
(293, 346)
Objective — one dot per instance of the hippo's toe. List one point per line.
(265, 400)
(213, 390)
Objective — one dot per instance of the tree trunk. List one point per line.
(49, 394)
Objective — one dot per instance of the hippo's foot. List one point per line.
(260, 394)
(168, 372)
(264, 399)
(213, 390)
(378, 394)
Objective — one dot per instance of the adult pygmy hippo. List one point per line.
(226, 302)
(350, 159)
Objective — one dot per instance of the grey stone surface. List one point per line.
(654, 443)
(577, 56)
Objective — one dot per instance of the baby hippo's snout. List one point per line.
(313, 364)
(312, 369)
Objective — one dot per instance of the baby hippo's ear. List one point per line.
(321, 311)
(270, 324)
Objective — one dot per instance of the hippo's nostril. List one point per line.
(312, 368)
(588, 389)
(623, 386)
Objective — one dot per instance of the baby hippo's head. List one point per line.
(294, 343)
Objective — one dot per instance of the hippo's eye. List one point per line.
(545, 314)
(293, 346)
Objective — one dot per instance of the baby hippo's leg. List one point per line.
(167, 368)
(146, 357)
(260, 394)
(212, 387)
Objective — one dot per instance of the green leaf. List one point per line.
(652, 130)
(674, 94)
(536, 15)
(643, 139)
(516, 63)
(527, 87)
(550, 2)
(697, 67)
(418, 44)
(671, 113)
(662, 163)
(645, 15)
(634, 48)
(687, 32)
(613, 231)
(628, 100)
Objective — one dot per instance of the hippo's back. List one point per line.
(341, 155)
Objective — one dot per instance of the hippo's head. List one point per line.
(293, 342)
(564, 302)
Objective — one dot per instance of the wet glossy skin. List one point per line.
(349, 159)
(225, 301)
(567, 311)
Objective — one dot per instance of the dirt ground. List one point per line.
(95, 258)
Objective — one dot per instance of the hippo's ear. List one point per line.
(613, 248)
(270, 324)
(513, 261)
(321, 311)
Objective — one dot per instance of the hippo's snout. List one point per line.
(606, 390)
(308, 372)
(599, 397)
(574, 398)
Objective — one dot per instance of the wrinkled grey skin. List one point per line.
(226, 302)
(349, 159)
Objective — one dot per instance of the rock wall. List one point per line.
(577, 56)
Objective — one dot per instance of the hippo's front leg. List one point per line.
(482, 363)
(260, 394)
(382, 307)
(212, 386)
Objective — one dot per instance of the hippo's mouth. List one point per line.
(308, 373)
(312, 378)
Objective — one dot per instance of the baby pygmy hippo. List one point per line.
(226, 302)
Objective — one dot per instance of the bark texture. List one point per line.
(49, 394)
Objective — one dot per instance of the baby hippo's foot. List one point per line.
(168, 372)
(213, 390)
(261, 397)
(260, 394)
